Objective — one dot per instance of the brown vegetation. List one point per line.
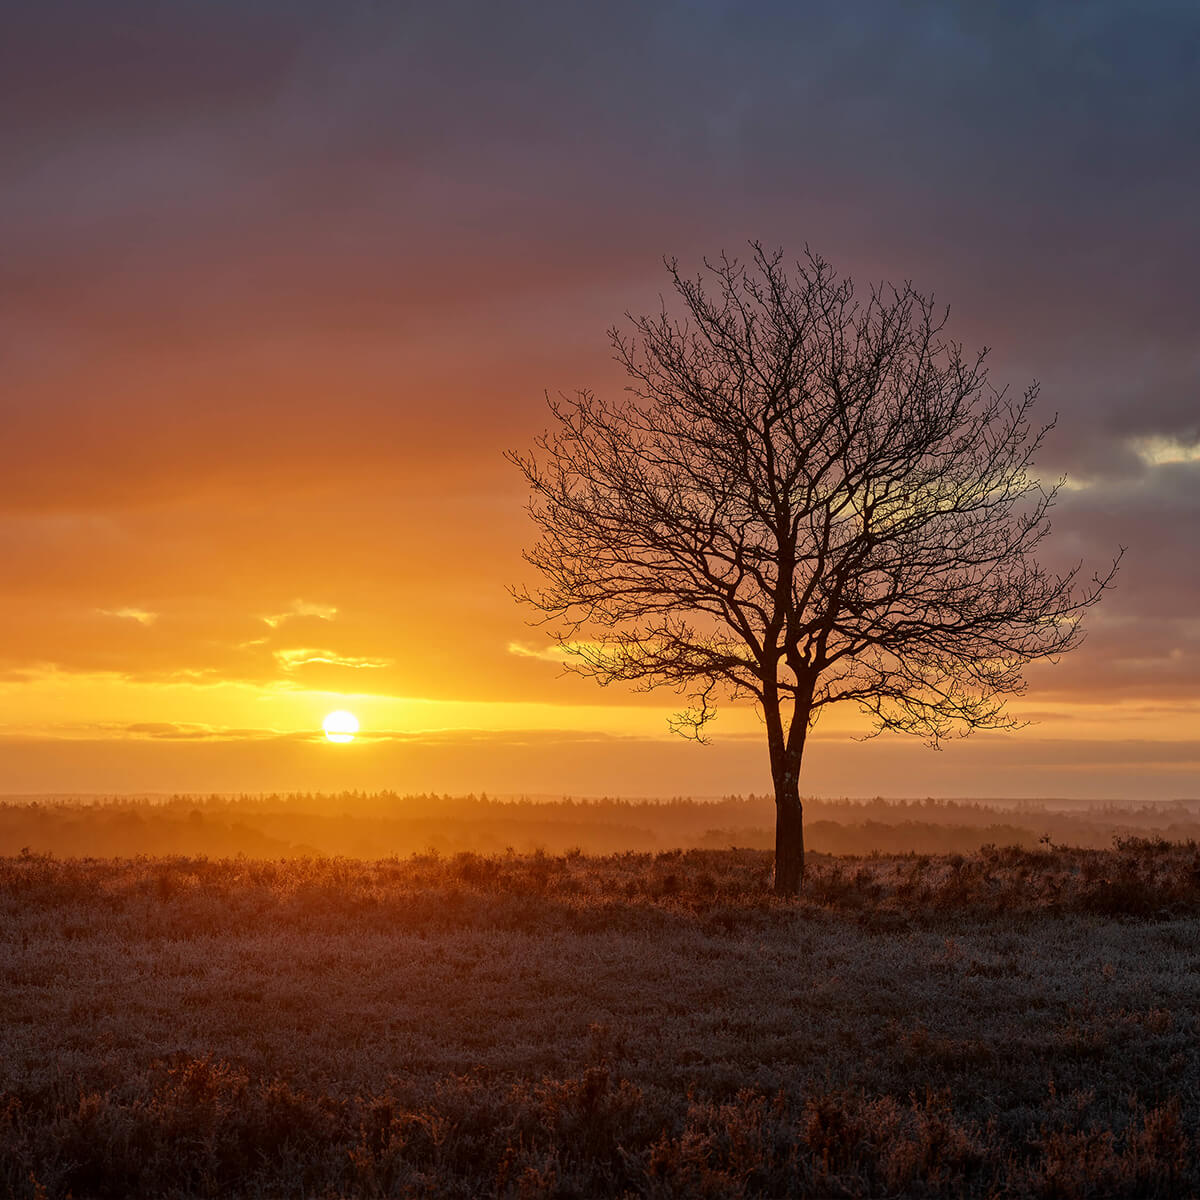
(1014, 1022)
(356, 824)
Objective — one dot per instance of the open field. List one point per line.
(372, 825)
(1013, 1022)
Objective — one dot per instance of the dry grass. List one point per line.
(1014, 1022)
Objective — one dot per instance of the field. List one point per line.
(1006, 1023)
(362, 825)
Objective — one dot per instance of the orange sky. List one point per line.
(269, 320)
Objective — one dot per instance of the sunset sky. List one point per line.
(280, 282)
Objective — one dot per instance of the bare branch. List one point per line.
(804, 498)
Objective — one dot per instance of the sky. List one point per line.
(281, 282)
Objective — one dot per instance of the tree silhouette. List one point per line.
(804, 498)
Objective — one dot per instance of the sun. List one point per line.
(340, 726)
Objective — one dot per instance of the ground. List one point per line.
(1013, 1022)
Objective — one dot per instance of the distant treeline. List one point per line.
(375, 825)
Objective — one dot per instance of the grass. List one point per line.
(1012, 1022)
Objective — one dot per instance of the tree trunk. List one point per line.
(789, 827)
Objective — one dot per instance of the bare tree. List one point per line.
(804, 498)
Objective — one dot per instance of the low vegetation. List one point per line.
(1016, 1021)
(357, 825)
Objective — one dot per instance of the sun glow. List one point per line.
(340, 726)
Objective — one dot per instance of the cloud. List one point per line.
(1157, 451)
(302, 608)
(140, 615)
(169, 731)
(216, 222)
(120, 732)
(554, 654)
(307, 656)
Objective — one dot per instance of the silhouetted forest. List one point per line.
(362, 825)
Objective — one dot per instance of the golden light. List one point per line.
(340, 726)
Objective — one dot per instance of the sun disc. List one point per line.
(340, 726)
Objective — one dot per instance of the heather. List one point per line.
(1015, 1021)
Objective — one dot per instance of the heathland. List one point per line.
(360, 825)
(1010, 1022)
